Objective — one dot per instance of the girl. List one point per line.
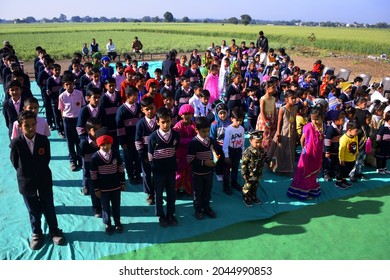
(382, 151)
(211, 83)
(224, 73)
(186, 129)
(182, 67)
(301, 118)
(267, 117)
(282, 150)
(207, 60)
(304, 185)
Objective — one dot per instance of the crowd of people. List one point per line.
(171, 133)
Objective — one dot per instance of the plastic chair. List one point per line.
(343, 73)
(386, 87)
(327, 69)
(366, 79)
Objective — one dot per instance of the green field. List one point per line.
(61, 40)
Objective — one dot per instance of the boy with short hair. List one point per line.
(253, 160)
(70, 103)
(119, 76)
(128, 81)
(106, 71)
(108, 179)
(144, 128)
(53, 87)
(30, 156)
(13, 106)
(86, 78)
(95, 82)
(203, 152)
(184, 92)
(234, 145)
(193, 73)
(127, 116)
(203, 108)
(348, 151)
(169, 102)
(162, 145)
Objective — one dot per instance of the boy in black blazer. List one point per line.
(30, 156)
(13, 105)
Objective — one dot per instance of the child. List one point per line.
(211, 83)
(182, 67)
(167, 84)
(382, 151)
(77, 72)
(108, 179)
(106, 71)
(201, 151)
(304, 184)
(13, 106)
(110, 102)
(253, 108)
(331, 165)
(144, 128)
(88, 147)
(233, 144)
(195, 99)
(217, 131)
(54, 85)
(183, 93)
(31, 104)
(129, 72)
(301, 118)
(282, 150)
(253, 160)
(224, 75)
(162, 145)
(233, 96)
(152, 91)
(87, 78)
(119, 76)
(186, 130)
(267, 117)
(43, 76)
(85, 52)
(204, 108)
(95, 82)
(30, 156)
(93, 109)
(158, 77)
(70, 103)
(127, 117)
(348, 151)
(169, 102)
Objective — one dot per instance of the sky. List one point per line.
(347, 11)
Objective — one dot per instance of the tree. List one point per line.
(185, 19)
(30, 19)
(75, 19)
(246, 19)
(155, 19)
(146, 19)
(62, 18)
(123, 20)
(233, 20)
(168, 17)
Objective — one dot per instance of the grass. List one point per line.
(61, 40)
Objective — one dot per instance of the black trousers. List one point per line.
(202, 191)
(165, 181)
(113, 197)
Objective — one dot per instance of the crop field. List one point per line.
(61, 40)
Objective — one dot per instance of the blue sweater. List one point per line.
(87, 149)
(110, 108)
(126, 122)
(142, 132)
(198, 152)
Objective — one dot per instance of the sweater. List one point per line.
(142, 132)
(199, 152)
(126, 121)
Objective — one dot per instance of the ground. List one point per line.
(377, 68)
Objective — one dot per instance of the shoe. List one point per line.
(199, 215)
(348, 184)
(255, 200)
(36, 241)
(85, 191)
(172, 221)
(247, 202)
(237, 187)
(58, 237)
(52, 127)
(219, 178)
(98, 214)
(381, 171)
(353, 179)
(61, 134)
(73, 166)
(228, 190)
(210, 213)
(109, 229)
(328, 178)
(150, 199)
(163, 222)
(363, 177)
(119, 228)
(340, 185)
(387, 171)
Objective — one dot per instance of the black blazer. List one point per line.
(10, 114)
(32, 170)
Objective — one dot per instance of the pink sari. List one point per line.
(211, 84)
(304, 183)
(184, 171)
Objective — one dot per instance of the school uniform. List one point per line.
(92, 84)
(144, 128)
(183, 96)
(77, 77)
(162, 155)
(84, 81)
(195, 77)
(43, 76)
(53, 86)
(87, 112)
(31, 160)
(331, 165)
(233, 97)
(11, 109)
(127, 118)
(382, 152)
(110, 104)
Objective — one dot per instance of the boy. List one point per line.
(144, 128)
(217, 131)
(184, 92)
(167, 84)
(169, 102)
(108, 179)
(126, 119)
(106, 71)
(31, 104)
(129, 72)
(13, 106)
(158, 77)
(333, 133)
(253, 160)
(195, 99)
(30, 156)
(201, 151)
(193, 73)
(110, 102)
(162, 145)
(43, 76)
(95, 82)
(88, 147)
(54, 85)
(203, 108)
(253, 102)
(119, 76)
(348, 151)
(87, 78)
(77, 72)
(70, 103)
(233, 145)
(152, 91)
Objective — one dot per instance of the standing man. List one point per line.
(94, 47)
(262, 46)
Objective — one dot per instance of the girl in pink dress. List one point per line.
(304, 184)
(186, 129)
(211, 83)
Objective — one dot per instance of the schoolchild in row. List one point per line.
(119, 75)
(53, 86)
(162, 145)
(86, 78)
(13, 106)
(204, 108)
(184, 92)
(382, 152)
(169, 102)
(95, 82)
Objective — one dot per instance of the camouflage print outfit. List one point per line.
(253, 161)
